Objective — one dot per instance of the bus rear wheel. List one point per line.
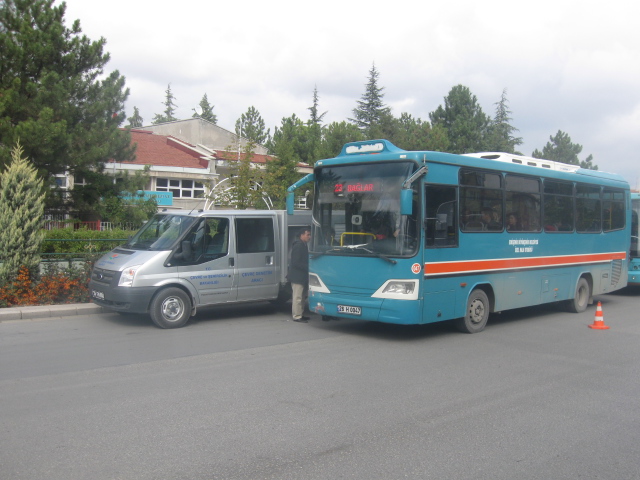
(581, 298)
(170, 308)
(476, 314)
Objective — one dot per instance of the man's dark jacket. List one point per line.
(299, 264)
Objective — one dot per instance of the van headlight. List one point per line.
(398, 290)
(126, 278)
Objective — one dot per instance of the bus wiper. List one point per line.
(319, 254)
(379, 255)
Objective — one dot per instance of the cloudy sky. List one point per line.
(567, 65)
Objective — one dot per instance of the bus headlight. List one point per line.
(398, 290)
(316, 284)
(126, 278)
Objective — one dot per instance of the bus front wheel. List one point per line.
(581, 298)
(476, 314)
(170, 308)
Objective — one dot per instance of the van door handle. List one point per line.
(232, 262)
(269, 260)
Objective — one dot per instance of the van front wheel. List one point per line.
(170, 308)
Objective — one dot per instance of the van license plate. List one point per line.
(349, 309)
(97, 294)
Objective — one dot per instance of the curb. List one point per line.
(47, 311)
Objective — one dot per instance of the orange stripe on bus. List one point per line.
(441, 268)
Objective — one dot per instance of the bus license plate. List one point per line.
(97, 294)
(349, 309)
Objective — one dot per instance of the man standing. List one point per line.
(299, 274)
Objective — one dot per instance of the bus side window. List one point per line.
(441, 216)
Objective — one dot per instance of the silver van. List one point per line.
(179, 261)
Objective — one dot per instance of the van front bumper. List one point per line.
(122, 299)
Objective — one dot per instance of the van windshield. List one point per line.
(162, 232)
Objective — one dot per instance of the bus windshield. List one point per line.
(357, 212)
(161, 232)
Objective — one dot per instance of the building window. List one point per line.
(180, 188)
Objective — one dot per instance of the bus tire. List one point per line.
(581, 298)
(476, 314)
(170, 308)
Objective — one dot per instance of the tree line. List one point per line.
(67, 115)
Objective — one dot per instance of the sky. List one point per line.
(566, 65)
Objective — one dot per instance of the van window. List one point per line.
(254, 235)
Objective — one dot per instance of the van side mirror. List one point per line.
(406, 201)
(186, 252)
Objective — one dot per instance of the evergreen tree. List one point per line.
(463, 120)
(501, 132)
(314, 129)
(251, 126)
(206, 111)
(51, 95)
(246, 180)
(135, 121)
(21, 213)
(315, 117)
(169, 108)
(416, 134)
(290, 145)
(371, 108)
(114, 199)
(559, 148)
(334, 137)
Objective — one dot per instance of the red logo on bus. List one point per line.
(416, 268)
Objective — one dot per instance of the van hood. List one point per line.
(121, 258)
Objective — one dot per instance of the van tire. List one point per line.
(581, 297)
(170, 308)
(476, 315)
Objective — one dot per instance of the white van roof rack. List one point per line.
(522, 160)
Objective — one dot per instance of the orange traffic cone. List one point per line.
(598, 323)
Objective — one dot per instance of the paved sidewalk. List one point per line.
(46, 311)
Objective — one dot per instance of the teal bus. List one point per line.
(415, 237)
(634, 259)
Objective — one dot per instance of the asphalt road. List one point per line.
(242, 393)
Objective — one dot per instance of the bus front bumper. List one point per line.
(401, 312)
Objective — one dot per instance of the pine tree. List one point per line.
(21, 213)
(55, 97)
(559, 148)
(314, 130)
(251, 126)
(464, 121)
(246, 180)
(169, 108)
(501, 132)
(315, 118)
(206, 111)
(290, 146)
(135, 121)
(370, 109)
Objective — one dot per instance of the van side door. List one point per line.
(206, 261)
(258, 268)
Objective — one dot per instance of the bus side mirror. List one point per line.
(406, 201)
(290, 203)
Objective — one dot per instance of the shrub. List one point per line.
(55, 286)
(68, 240)
(21, 209)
